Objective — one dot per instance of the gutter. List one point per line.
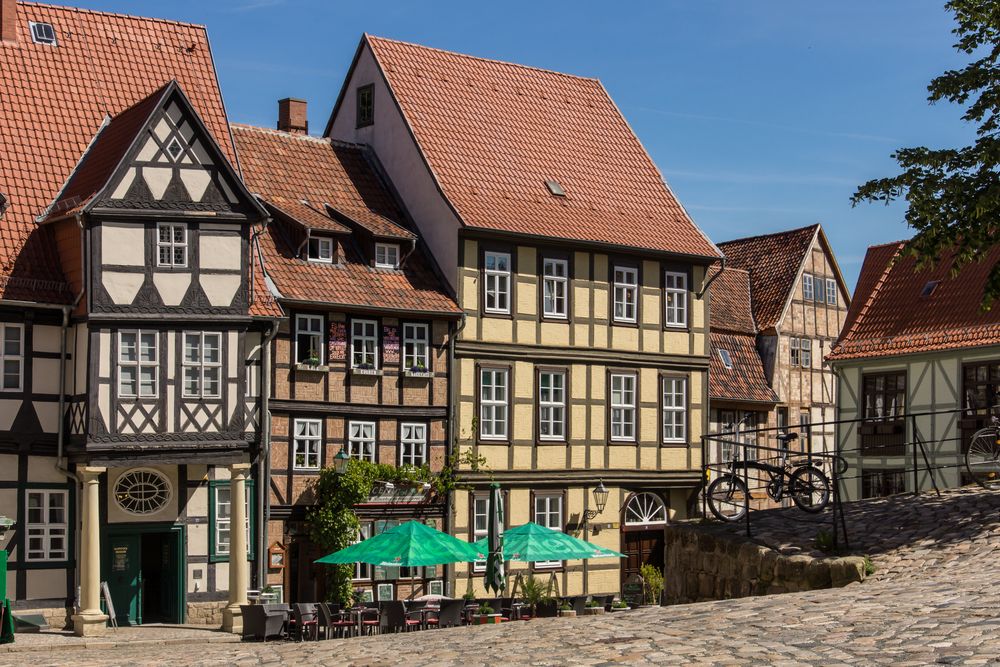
(705, 286)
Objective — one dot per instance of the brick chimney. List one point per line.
(291, 115)
(8, 20)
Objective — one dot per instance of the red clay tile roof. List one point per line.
(262, 302)
(305, 214)
(889, 317)
(745, 382)
(375, 224)
(54, 101)
(730, 305)
(773, 261)
(493, 133)
(298, 167)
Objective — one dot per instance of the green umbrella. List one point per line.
(410, 544)
(531, 542)
(494, 562)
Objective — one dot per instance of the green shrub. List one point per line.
(869, 566)
(652, 578)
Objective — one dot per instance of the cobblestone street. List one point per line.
(932, 600)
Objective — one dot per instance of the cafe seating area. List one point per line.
(328, 620)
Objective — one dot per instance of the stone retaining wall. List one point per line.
(205, 613)
(705, 562)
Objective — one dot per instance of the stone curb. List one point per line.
(106, 644)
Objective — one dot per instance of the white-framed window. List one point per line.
(675, 299)
(412, 444)
(309, 339)
(726, 358)
(820, 292)
(805, 352)
(202, 362)
(171, 244)
(493, 403)
(361, 441)
(551, 405)
(674, 409)
(321, 249)
(387, 255)
(363, 571)
(307, 445)
(46, 524)
(622, 406)
(224, 518)
(364, 344)
(555, 280)
(807, 287)
(416, 339)
(626, 287)
(497, 281)
(12, 357)
(42, 33)
(480, 525)
(138, 364)
(549, 513)
(795, 358)
(831, 291)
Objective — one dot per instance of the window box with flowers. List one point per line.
(366, 369)
(418, 371)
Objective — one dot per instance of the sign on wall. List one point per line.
(390, 345)
(337, 347)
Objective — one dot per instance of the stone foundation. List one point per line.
(708, 563)
(57, 618)
(205, 613)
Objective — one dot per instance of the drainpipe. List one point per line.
(704, 288)
(264, 462)
(66, 312)
(451, 435)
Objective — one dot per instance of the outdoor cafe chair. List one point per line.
(448, 616)
(259, 623)
(579, 603)
(304, 620)
(339, 622)
(394, 617)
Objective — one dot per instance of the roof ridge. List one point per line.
(845, 336)
(84, 10)
(764, 236)
(294, 135)
(497, 61)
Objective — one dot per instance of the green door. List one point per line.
(125, 578)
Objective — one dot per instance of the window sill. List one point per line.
(366, 371)
(418, 374)
(310, 368)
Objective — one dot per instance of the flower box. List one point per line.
(312, 368)
(593, 611)
(366, 371)
(567, 612)
(486, 619)
(410, 373)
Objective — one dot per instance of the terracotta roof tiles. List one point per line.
(730, 309)
(745, 382)
(493, 133)
(891, 316)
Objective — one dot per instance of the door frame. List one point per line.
(176, 531)
(642, 529)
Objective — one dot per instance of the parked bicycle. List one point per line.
(807, 485)
(982, 459)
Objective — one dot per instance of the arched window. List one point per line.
(645, 509)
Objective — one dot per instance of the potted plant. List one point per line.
(593, 608)
(619, 605)
(532, 592)
(313, 358)
(485, 615)
(566, 610)
(653, 579)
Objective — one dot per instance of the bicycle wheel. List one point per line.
(810, 489)
(727, 497)
(983, 458)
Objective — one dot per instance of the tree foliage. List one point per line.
(953, 194)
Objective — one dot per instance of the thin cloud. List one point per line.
(761, 178)
(858, 136)
(256, 4)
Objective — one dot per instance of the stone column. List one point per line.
(232, 617)
(90, 621)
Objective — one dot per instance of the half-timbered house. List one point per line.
(134, 323)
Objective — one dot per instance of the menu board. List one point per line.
(390, 344)
(337, 347)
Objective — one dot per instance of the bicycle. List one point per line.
(982, 459)
(806, 484)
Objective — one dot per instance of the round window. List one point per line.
(142, 491)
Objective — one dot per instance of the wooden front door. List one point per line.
(641, 547)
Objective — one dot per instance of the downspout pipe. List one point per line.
(264, 461)
(451, 437)
(64, 333)
(704, 288)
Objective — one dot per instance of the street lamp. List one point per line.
(600, 499)
(340, 462)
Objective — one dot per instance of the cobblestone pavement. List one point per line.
(932, 600)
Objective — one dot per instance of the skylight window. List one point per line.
(43, 33)
(930, 288)
(555, 188)
(727, 360)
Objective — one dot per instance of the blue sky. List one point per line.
(763, 115)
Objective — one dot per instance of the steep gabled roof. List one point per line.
(492, 133)
(774, 262)
(745, 382)
(283, 167)
(891, 315)
(730, 307)
(55, 100)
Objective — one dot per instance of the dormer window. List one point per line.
(321, 249)
(366, 105)
(727, 360)
(386, 256)
(43, 33)
(930, 288)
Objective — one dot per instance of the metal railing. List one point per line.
(725, 453)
